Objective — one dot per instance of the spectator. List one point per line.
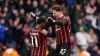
(69, 3)
(82, 38)
(90, 9)
(80, 24)
(28, 7)
(21, 4)
(53, 2)
(94, 51)
(96, 24)
(22, 16)
(98, 6)
(6, 13)
(9, 33)
(78, 12)
(2, 31)
(47, 13)
(35, 8)
(93, 38)
(25, 51)
(41, 4)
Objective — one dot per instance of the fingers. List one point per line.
(31, 13)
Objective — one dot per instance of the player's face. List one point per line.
(56, 13)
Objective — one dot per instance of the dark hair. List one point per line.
(41, 20)
(57, 8)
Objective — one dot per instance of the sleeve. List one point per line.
(49, 34)
(58, 22)
(46, 33)
(61, 22)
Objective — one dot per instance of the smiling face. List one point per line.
(57, 11)
(56, 14)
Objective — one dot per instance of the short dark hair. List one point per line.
(57, 8)
(41, 20)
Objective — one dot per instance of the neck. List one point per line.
(61, 16)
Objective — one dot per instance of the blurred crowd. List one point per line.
(15, 22)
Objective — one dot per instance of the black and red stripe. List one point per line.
(41, 49)
(63, 35)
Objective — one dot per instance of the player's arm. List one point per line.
(46, 33)
(58, 22)
(61, 22)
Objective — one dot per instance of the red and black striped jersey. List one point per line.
(63, 29)
(38, 41)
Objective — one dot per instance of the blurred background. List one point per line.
(15, 23)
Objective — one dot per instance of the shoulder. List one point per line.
(67, 17)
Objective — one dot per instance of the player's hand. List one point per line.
(50, 20)
(32, 14)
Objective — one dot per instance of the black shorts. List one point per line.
(63, 50)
